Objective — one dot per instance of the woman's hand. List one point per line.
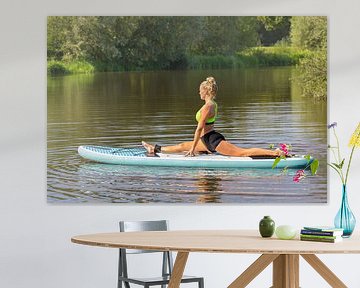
(190, 153)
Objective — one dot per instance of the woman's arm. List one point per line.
(205, 112)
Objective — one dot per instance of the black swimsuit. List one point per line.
(211, 140)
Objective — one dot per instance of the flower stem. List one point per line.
(339, 160)
(336, 169)
(337, 142)
(334, 154)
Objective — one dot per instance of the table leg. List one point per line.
(253, 270)
(178, 270)
(324, 271)
(286, 271)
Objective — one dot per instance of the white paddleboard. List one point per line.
(137, 156)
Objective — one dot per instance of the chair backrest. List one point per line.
(133, 226)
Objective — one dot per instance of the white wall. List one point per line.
(35, 248)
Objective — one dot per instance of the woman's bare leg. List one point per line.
(228, 149)
(181, 147)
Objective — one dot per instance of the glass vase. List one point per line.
(345, 219)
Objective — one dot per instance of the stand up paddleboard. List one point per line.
(138, 156)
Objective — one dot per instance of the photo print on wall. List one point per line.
(162, 109)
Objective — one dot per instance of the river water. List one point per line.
(257, 107)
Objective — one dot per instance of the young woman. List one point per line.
(206, 139)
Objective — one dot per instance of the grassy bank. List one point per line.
(62, 68)
(253, 57)
(272, 56)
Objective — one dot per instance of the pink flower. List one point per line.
(300, 174)
(284, 148)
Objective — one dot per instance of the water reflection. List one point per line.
(209, 188)
(257, 107)
(121, 184)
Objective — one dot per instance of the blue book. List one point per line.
(322, 231)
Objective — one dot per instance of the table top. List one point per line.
(216, 241)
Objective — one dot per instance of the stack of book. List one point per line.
(321, 234)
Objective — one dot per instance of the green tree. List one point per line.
(273, 29)
(225, 35)
(58, 34)
(131, 43)
(313, 74)
(309, 32)
(104, 39)
(159, 42)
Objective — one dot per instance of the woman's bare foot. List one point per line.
(280, 153)
(149, 148)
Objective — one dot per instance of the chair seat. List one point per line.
(158, 280)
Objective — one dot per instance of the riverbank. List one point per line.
(252, 57)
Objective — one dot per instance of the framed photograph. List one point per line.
(203, 109)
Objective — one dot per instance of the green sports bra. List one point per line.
(209, 121)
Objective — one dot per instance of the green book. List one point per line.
(319, 236)
(326, 240)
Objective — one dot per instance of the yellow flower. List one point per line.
(355, 138)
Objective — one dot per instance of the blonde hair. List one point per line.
(210, 85)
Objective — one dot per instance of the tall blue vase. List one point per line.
(345, 218)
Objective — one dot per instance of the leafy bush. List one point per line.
(80, 67)
(309, 32)
(313, 74)
(61, 68)
(252, 57)
(213, 62)
(272, 56)
(56, 68)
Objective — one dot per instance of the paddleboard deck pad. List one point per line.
(138, 156)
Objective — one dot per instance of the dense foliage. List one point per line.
(273, 29)
(311, 33)
(121, 43)
(130, 43)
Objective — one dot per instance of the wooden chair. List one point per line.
(167, 262)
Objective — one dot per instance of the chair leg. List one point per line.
(201, 283)
(126, 284)
(121, 268)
